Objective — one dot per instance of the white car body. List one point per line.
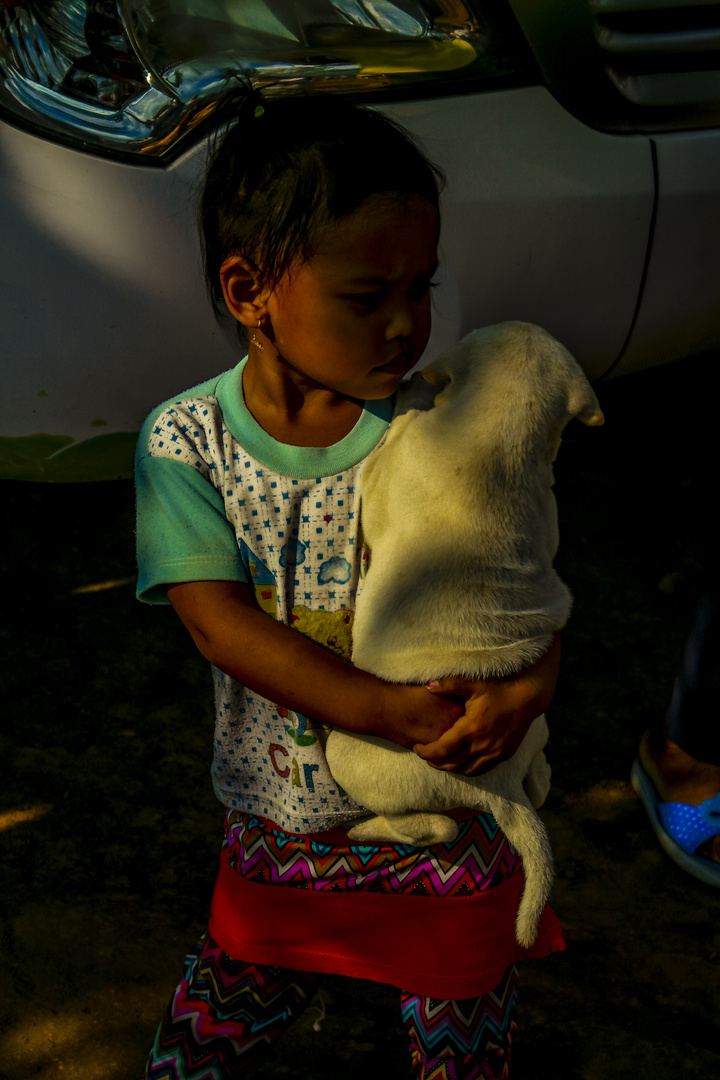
(607, 238)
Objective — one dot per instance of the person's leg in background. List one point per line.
(677, 773)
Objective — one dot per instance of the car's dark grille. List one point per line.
(660, 52)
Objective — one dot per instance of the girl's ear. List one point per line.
(243, 290)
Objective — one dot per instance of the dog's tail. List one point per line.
(526, 832)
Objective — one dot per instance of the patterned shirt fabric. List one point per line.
(219, 499)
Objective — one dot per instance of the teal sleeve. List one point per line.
(182, 531)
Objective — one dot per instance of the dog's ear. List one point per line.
(583, 404)
(594, 418)
(562, 368)
(455, 363)
(436, 378)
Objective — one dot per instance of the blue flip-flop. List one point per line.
(681, 828)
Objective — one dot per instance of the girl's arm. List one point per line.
(498, 713)
(284, 666)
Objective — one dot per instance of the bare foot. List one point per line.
(681, 778)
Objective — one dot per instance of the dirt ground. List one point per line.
(109, 831)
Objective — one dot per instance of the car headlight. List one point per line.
(143, 80)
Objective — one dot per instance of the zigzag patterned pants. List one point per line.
(225, 1012)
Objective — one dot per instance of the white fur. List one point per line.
(460, 521)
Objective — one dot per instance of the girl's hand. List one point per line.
(412, 716)
(498, 713)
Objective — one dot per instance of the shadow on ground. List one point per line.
(110, 832)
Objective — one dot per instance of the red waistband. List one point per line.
(444, 948)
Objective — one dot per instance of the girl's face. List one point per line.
(356, 317)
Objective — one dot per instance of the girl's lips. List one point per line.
(400, 364)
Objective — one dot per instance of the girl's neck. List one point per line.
(295, 411)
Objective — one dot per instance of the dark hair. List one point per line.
(285, 169)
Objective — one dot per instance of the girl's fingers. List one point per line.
(453, 687)
(460, 750)
(469, 769)
(475, 765)
(448, 744)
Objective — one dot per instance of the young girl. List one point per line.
(320, 224)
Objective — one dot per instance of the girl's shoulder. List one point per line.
(200, 402)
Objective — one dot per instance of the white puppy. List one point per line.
(460, 523)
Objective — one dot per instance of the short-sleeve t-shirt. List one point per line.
(220, 499)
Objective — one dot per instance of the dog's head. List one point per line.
(515, 366)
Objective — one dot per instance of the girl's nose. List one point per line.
(401, 322)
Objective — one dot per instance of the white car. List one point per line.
(580, 138)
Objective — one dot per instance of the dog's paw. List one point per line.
(417, 830)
